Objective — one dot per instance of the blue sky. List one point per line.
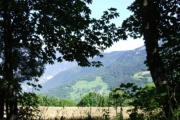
(97, 8)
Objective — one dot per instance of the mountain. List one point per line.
(118, 67)
(51, 70)
(56, 68)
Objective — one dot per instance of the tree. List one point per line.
(146, 99)
(28, 106)
(33, 31)
(116, 99)
(92, 99)
(157, 22)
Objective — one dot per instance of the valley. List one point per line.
(118, 67)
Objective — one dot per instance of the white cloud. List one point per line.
(128, 44)
(49, 77)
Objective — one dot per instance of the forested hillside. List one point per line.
(118, 67)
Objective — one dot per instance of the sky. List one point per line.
(97, 8)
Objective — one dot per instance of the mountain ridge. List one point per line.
(119, 67)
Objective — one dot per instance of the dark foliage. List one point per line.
(158, 23)
(32, 31)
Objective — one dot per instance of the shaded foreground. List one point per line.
(50, 113)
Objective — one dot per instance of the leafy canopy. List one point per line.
(32, 32)
(40, 29)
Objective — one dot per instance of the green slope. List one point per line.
(83, 87)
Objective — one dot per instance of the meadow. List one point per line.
(72, 113)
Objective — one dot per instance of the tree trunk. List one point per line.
(11, 104)
(154, 61)
(2, 107)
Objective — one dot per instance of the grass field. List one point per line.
(86, 87)
(57, 113)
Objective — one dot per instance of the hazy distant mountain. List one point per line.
(119, 67)
(56, 68)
